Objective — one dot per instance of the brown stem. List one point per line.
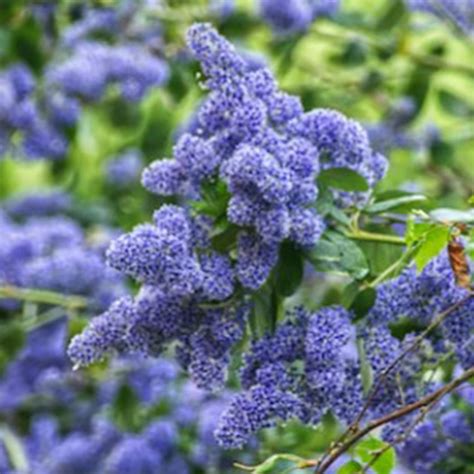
(394, 415)
(353, 428)
(418, 340)
(399, 439)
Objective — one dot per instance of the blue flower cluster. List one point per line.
(88, 439)
(421, 297)
(94, 66)
(295, 16)
(38, 203)
(52, 253)
(254, 145)
(36, 115)
(459, 13)
(168, 309)
(444, 439)
(125, 169)
(310, 364)
(39, 126)
(27, 375)
(268, 152)
(392, 132)
(306, 368)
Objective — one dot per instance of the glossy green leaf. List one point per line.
(394, 12)
(368, 448)
(125, 408)
(277, 463)
(349, 293)
(335, 252)
(455, 105)
(226, 239)
(407, 202)
(453, 216)
(380, 255)
(289, 271)
(363, 302)
(12, 338)
(435, 240)
(344, 179)
(351, 467)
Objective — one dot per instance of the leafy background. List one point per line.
(363, 61)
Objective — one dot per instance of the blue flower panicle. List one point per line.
(256, 149)
(295, 16)
(301, 371)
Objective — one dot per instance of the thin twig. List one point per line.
(353, 428)
(43, 296)
(403, 437)
(414, 345)
(394, 415)
(374, 237)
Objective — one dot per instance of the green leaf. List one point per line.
(453, 216)
(14, 448)
(12, 337)
(125, 409)
(419, 84)
(351, 467)
(380, 255)
(276, 463)
(226, 239)
(394, 12)
(354, 53)
(393, 204)
(415, 231)
(363, 302)
(289, 271)
(349, 294)
(442, 153)
(344, 179)
(454, 105)
(433, 242)
(335, 252)
(261, 316)
(215, 198)
(326, 207)
(368, 448)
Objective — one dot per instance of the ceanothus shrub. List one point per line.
(245, 180)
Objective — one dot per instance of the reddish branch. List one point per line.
(396, 414)
(416, 343)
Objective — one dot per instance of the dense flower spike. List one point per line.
(421, 298)
(124, 170)
(40, 137)
(440, 440)
(87, 440)
(130, 66)
(39, 203)
(257, 140)
(304, 369)
(255, 151)
(37, 116)
(53, 253)
(295, 16)
(166, 310)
